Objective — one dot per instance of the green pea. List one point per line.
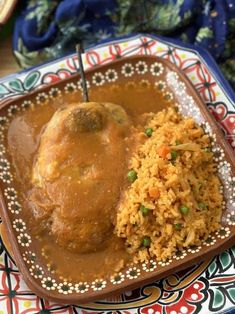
(174, 154)
(178, 226)
(177, 142)
(207, 149)
(144, 210)
(146, 242)
(132, 176)
(202, 206)
(184, 210)
(149, 132)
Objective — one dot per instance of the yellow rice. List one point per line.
(189, 180)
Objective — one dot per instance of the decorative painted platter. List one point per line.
(202, 290)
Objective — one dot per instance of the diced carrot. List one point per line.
(154, 192)
(163, 151)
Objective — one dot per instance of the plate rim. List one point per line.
(200, 51)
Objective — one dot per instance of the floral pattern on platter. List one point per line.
(198, 294)
(98, 79)
(49, 283)
(133, 273)
(117, 279)
(98, 284)
(42, 98)
(156, 69)
(186, 106)
(4, 165)
(19, 225)
(26, 104)
(29, 257)
(80, 87)
(54, 92)
(24, 239)
(10, 194)
(149, 266)
(70, 88)
(14, 207)
(111, 75)
(81, 287)
(141, 67)
(127, 70)
(6, 177)
(65, 287)
(36, 271)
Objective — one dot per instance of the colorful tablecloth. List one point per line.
(47, 29)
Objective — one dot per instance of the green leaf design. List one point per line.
(233, 251)
(151, 16)
(225, 260)
(187, 15)
(165, 17)
(218, 300)
(231, 293)
(204, 32)
(16, 85)
(212, 268)
(232, 24)
(31, 80)
(184, 38)
(42, 12)
(3, 90)
(27, 58)
(32, 3)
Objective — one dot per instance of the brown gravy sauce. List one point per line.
(24, 136)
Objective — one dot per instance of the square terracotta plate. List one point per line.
(145, 71)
